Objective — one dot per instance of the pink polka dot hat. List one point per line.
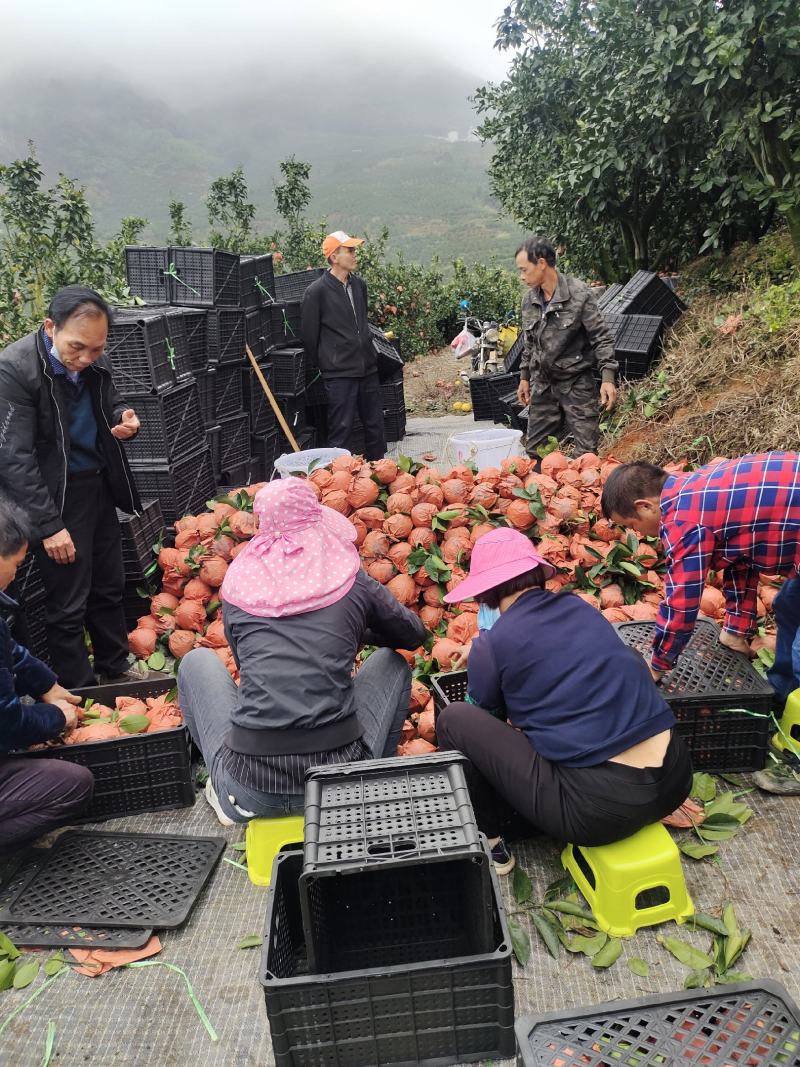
(301, 559)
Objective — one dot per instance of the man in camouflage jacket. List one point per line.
(565, 339)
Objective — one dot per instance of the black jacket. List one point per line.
(335, 338)
(21, 674)
(296, 689)
(34, 434)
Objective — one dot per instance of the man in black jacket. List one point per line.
(61, 458)
(336, 337)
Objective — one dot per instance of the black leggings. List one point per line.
(583, 805)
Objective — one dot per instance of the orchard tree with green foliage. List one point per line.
(180, 231)
(48, 240)
(230, 213)
(594, 150)
(738, 62)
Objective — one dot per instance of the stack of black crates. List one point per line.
(386, 940)
(180, 360)
(28, 621)
(637, 314)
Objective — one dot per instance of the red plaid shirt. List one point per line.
(740, 517)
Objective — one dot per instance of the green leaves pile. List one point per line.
(715, 966)
(18, 971)
(724, 818)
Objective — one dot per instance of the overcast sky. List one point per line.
(156, 42)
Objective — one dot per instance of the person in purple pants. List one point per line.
(35, 794)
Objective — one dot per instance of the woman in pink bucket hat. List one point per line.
(563, 723)
(297, 607)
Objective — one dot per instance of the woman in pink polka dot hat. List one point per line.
(297, 607)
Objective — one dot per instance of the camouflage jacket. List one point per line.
(568, 338)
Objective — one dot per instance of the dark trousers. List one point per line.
(345, 397)
(37, 795)
(562, 408)
(582, 805)
(784, 675)
(87, 593)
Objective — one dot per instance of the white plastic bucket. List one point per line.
(485, 448)
(300, 462)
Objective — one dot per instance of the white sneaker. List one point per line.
(211, 797)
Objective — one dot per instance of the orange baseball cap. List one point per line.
(337, 239)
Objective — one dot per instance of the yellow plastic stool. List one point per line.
(789, 726)
(635, 882)
(264, 839)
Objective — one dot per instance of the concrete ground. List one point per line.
(144, 1018)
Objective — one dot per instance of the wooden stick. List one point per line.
(273, 401)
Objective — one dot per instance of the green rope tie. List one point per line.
(172, 272)
(264, 292)
(171, 355)
(286, 325)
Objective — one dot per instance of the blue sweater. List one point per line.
(566, 680)
(21, 674)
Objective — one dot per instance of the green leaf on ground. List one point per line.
(251, 941)
(521, 886)
(697, 979)
(566, 907)
(54, 964)
(701, 921)
(8, 949)
(608, 954)
(547, 931)
(25, 974)
(562, 885)
(589, 946)
(733, 976)
(694, 850)
(640, 967)
(685, 953)
(703, 787)
(520, 942)
(7, 968)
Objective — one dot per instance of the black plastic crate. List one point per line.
(455, 1009)
(317, 416)
(513, 359)
(256, 280)
(255, 470)
(141, 352)
(293, 409)
(143, 772)
(182, 488)
(206, 382)
(448, 688)
(196, 325)
(265, 450)
(510, 412)
(390, 363)
(229, 391)
(29, 627)
(172, 425)
(752, 1023)
(292, 286)
(646, 294)
(28, 587)
(145, 269)
(233, 480)
(135, 601)
(396, 830)
(254, 333)
(288, 370)
(281, 323)
(316, 395)
(499, 386)
(227, 335)
(203, 277)
(637, 342)
(139, 534)
(214, 442)
(234, 441)
(610, 293)
(256, 404)
(704, 685)
(481, 396)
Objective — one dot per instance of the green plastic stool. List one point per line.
(789, 726)
(264, 839)
(635, 882)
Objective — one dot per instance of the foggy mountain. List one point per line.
(388, 139)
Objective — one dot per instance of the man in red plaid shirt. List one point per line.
(740, 517)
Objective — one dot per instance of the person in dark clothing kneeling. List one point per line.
(589, 753)
(297, 607)
(35, 794)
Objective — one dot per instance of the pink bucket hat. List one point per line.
(496, 558)
(301, 559)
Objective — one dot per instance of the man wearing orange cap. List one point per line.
(336, 337)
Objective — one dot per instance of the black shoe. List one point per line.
(503, 858)
(132, 675)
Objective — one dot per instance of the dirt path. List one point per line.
(432, 385)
